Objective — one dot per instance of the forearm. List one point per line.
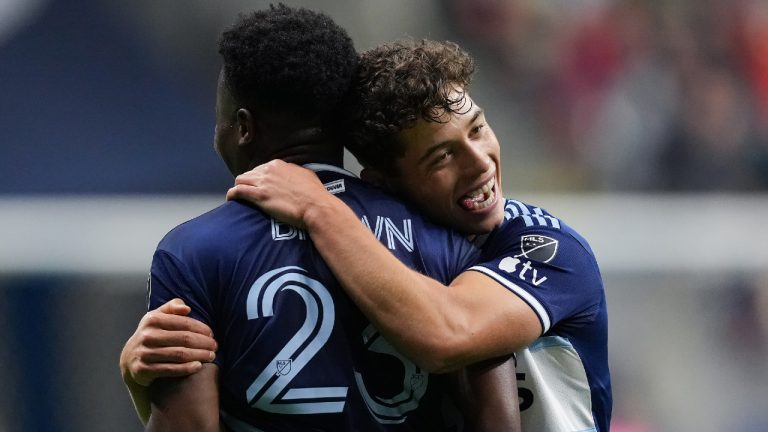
(440, 328)
(408, 308)
(487, 395)
(166, 343)
(140, 397)
(186, 404)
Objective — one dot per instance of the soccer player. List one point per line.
(293, 351)
(537, 291)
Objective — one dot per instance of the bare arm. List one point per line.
(189, 403)
(486, 393)
(166, 343)
(471, 320)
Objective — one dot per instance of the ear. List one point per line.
(246, 127)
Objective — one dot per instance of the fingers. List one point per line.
(167, 343)
(158, 353)
(254, 185)
(158, 319)
(254, 176)
(157, 338)
(244, 191)
(272, 169)
(175, 306)
(144, 374)
(177, 355)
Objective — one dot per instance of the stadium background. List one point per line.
(642, 123)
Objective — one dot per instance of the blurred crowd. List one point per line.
(103, 97)
(634, 94)
(590, 95)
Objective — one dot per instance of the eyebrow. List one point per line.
(478, 112)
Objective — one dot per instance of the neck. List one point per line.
(304, 146)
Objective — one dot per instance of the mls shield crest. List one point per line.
(418, 382)
(283, 367)
(538, 247)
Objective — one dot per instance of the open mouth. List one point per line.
(481, 197)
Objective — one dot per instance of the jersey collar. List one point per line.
(318, 167)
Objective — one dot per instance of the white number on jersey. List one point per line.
(292, 358)
(264, 392)
(395, 409)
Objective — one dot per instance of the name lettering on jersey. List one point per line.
(335, 187)
(283, 231)
(386, 226)
(538, 247)
(510, 265)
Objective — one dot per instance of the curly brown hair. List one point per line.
(396, 84)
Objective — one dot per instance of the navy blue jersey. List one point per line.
(563, 378)
(295, 354)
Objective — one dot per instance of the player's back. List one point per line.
(294, 352)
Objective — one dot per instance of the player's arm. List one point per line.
(189, 403)
(486, 393)
(440, 328)
(166, 343)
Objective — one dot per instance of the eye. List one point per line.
(476, 130)
(441, 157)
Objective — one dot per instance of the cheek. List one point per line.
(492, 145)
(433, 190)
(438, 192)
(221, 136)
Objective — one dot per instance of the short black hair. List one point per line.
(396, 84)
(292, 62)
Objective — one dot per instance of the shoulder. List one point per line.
(536, 229)
(527, 215)
(545, 262)
(369, 202)
(212, 232)
(439, 252)
(531, 236)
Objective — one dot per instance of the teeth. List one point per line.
(480, 198)
(481, 192)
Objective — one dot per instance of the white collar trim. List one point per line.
(316, 167)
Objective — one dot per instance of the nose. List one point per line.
(477, 161)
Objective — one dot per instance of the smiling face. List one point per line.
(450, 170)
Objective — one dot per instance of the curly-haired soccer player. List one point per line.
(294, 353)
(537, 290)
